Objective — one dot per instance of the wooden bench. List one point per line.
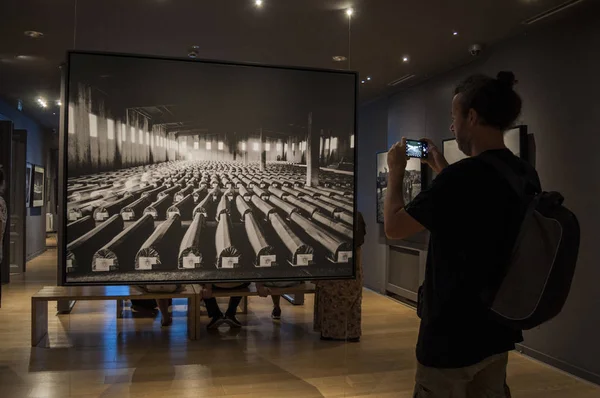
(39, 303)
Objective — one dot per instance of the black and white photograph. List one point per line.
(451, 151)
(28, 178)
(412, 181)
(37, 186)
(184, 171)
(382, 179)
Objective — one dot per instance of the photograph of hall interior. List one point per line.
(279, 179)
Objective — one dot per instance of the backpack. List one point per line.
(538, 275)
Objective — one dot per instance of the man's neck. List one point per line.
(488, 139)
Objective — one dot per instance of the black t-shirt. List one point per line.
(473, 216)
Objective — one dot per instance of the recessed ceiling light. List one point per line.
(34, 34)
(42, 102)
(258, 3)
(349, 11)
(59, 102)
(339, 58)
(455, 33)
(54, 113)
(405, 58)
(363, 82)
(368, 77)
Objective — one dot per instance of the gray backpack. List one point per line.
(538, 276)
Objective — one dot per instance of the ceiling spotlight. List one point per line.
(258, 3)
(59, 102)
(34, 34)
(368, 77)
(363, 82)
(54, 113)
(193, 52)
(455, 33)
(405, 58)
(349, 12)
(339, 58)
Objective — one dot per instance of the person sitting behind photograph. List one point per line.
(338, 303)
(212, 307)
(264, 291)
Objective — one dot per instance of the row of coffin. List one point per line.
(323, 213)
(203, 169)
(134, 196)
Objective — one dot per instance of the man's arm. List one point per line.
(398, 224)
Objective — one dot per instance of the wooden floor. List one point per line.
(98, 356)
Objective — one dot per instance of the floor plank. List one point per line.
(96, 355)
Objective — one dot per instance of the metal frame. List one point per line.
(63, 163)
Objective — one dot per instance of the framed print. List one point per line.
(28, 179)
(413, 181)
(515, 140)
(37, 196)
(194, 171)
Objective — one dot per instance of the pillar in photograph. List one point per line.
(263, 151)
(312, 156)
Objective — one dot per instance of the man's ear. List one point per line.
(472, 117)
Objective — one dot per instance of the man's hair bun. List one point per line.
(507, 79)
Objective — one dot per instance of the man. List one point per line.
(473, 216)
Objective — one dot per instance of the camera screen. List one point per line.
(416, 149)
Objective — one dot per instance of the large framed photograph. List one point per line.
(413, 181)
(37, 195)
(28, 179)
(515, 140)
(181, 171)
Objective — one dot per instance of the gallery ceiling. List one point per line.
(389, 39)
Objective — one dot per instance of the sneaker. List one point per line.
(232, 321)
(276, 314)
(216, 322)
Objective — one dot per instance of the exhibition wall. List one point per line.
(38, 141)
(372, 137)
(557, 73)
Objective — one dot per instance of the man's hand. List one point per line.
(435, 159)
(397, 158)
(262, 290)
(207, 291)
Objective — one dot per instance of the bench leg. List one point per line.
(39, 321)
(192, 317)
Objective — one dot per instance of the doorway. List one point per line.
(18, 210)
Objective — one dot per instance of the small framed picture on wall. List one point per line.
(28, 178)
(37, 196)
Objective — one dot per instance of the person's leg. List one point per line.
(276, 314)
(166, 317)
(490, 381)
(231, 310)
(440, 383)
(212, 307)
